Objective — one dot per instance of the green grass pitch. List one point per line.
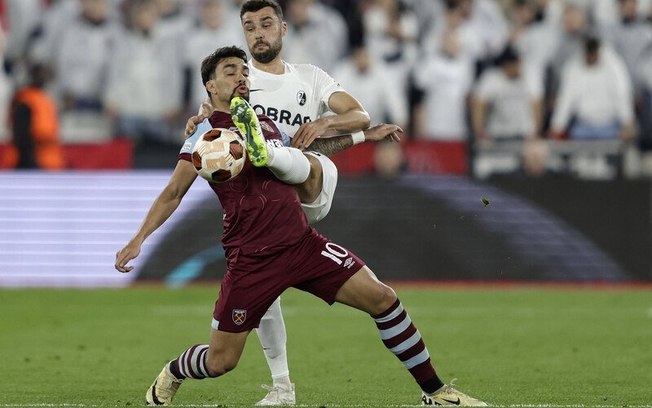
(511, 346)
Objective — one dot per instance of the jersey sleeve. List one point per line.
(326, 86)
(186, 149)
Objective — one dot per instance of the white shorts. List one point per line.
(319, 208)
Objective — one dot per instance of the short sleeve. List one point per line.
(202, 128)
(326, 85)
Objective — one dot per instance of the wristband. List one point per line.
(358, 137)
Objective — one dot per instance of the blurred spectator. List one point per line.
(317, 34)
(595, 98)
(454, 18)
(391, 35)
(211, 31)
(368, 80)
(47, 34)
(21, 19)
(535, 158)
(507, 102)
(143, 95)
(530, 35)
(644, 73)
(489, 23)
(6, 90)
(445, 77)
(174, 18)
(35, 126)
(81, 50)
(352, 14)
(506, 106)
(630, 36)
(568, 40)
(389, 160)
(427, 14)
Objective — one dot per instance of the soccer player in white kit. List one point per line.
(306, 103)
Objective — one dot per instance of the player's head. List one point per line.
(225, 74)
(264, 28)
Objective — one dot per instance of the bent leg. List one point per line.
(224, 351)
(365, 292)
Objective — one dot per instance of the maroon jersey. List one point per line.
(260, 212)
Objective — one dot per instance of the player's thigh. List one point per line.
(225, 350)
(325, 186)
(364, 291)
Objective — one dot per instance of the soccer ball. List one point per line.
(219, 155)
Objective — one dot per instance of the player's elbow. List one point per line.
(365, 120)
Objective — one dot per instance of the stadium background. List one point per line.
(424, 220)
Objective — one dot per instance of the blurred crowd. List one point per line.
(515, 80)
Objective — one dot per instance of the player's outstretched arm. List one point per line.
(349, 116)
(330, 145)
(164, 205)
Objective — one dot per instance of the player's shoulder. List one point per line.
(305, 69)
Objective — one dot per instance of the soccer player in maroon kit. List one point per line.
(270, 247)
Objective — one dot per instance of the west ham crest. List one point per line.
(239, 316)
(301, 98)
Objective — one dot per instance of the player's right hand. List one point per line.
(205, 111)
(382, 131)
(126, 254)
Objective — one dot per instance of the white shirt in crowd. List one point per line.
(446, 83)
(510, 102)
(383, 97)
(82, 58)
(141, 81)
(598, 95)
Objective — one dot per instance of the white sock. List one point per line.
(272, 336)
(288, 164)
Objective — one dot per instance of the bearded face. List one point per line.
(264, 52)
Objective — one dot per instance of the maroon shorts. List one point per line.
(253, 281)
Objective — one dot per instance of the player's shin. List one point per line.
(272, 335)
(402, 338)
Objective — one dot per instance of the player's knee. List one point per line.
(384, 298)
(387, 297)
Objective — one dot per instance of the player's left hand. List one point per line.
(205, 111)
(126, 254)
(308, 132)
(383, 131)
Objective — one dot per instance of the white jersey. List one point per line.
(298, 96)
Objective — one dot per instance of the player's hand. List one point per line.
(383, 131)
(126, 254)
(205, 111)
(308, 132)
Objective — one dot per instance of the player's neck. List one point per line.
(276, 66)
